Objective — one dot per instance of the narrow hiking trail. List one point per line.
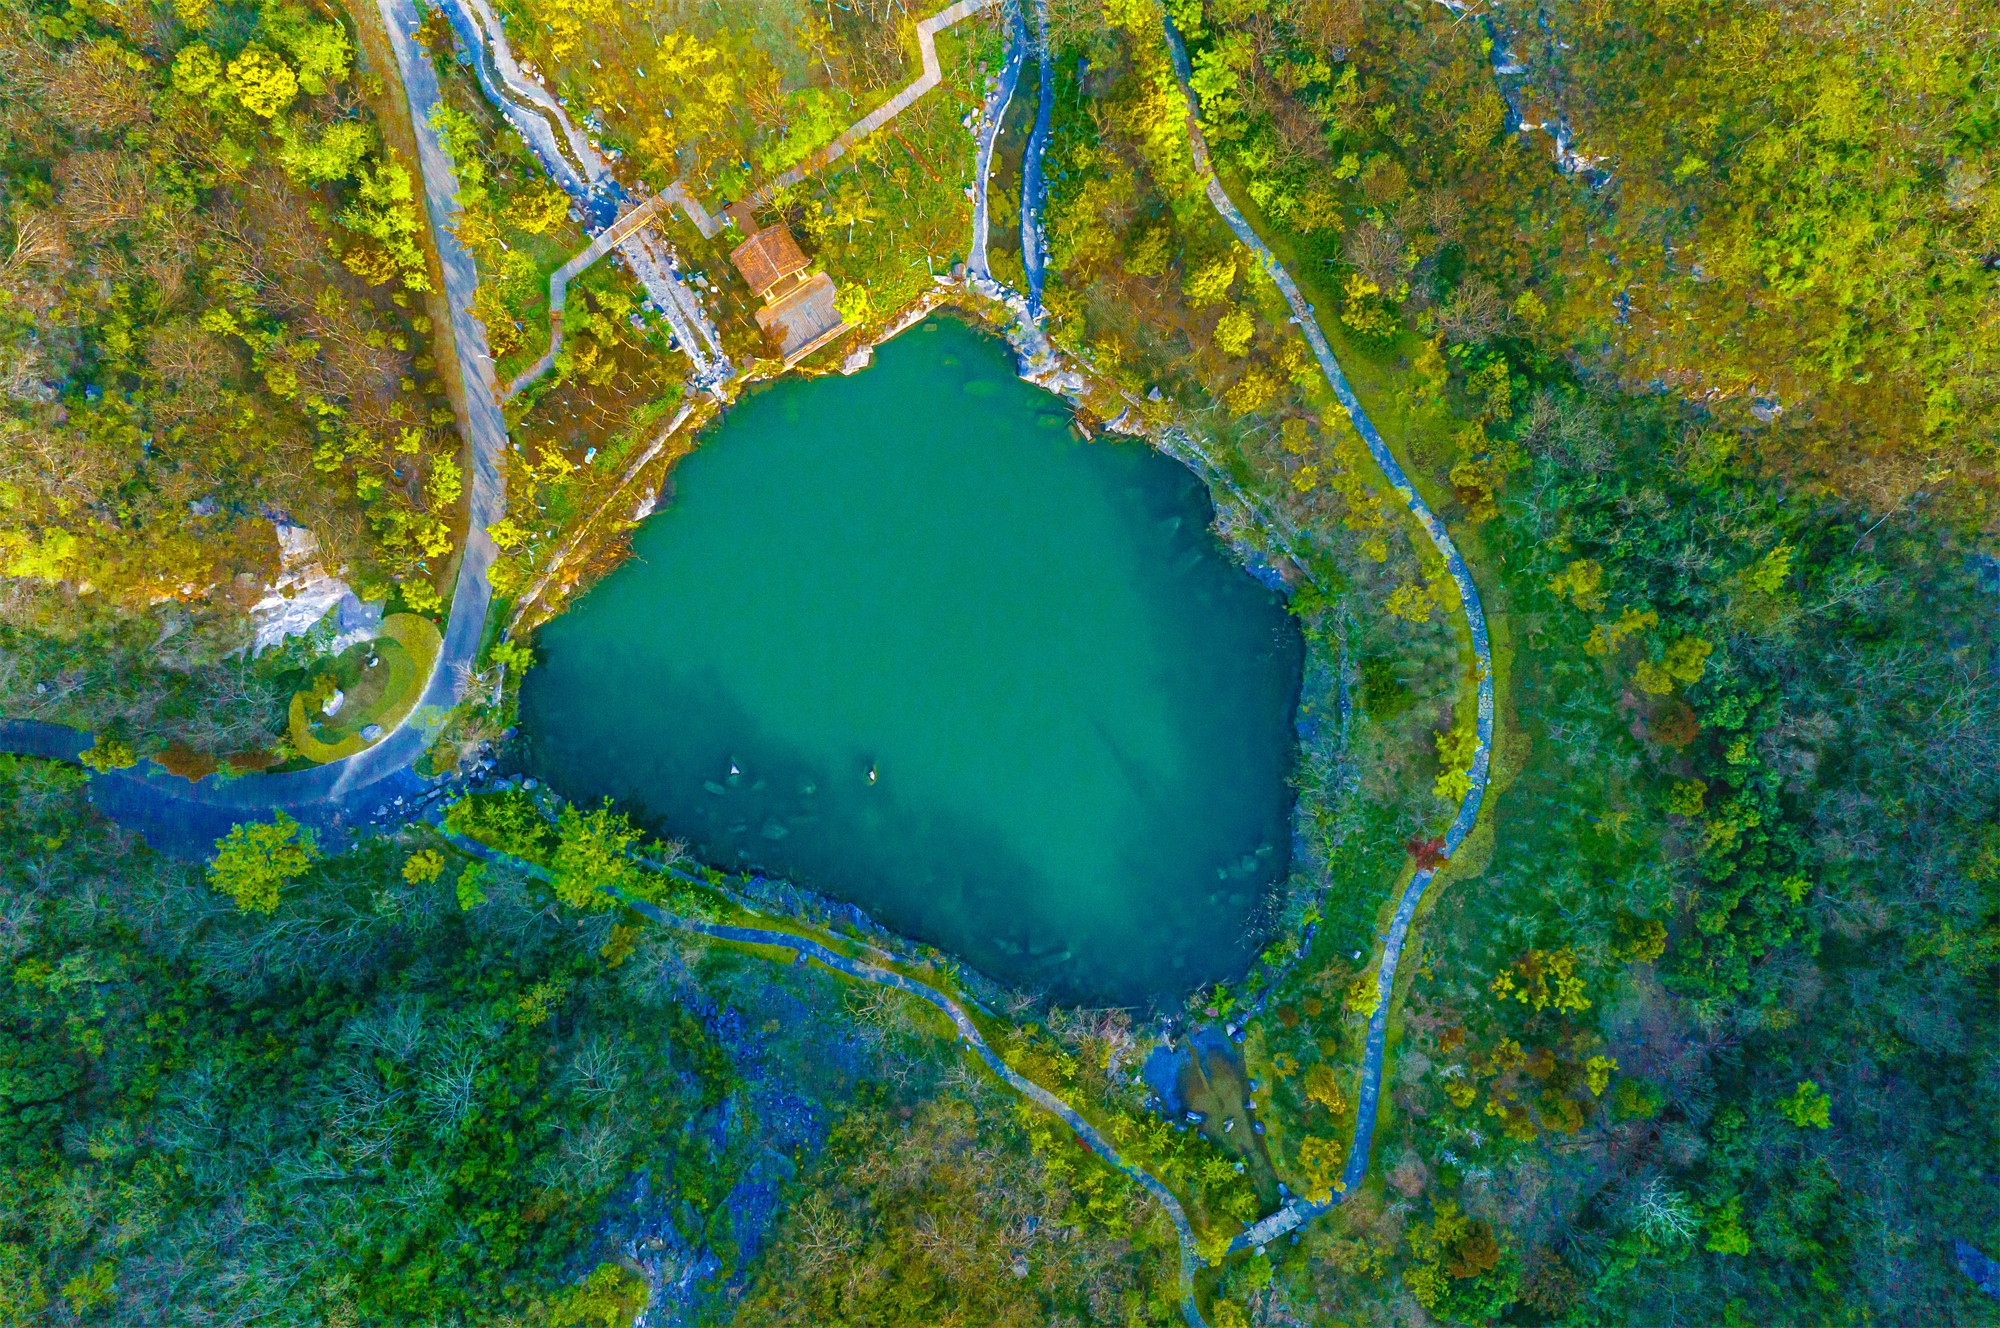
(193, 815)
(543, 124)
(1289, 1217)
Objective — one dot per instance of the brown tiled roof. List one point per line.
(767, 258)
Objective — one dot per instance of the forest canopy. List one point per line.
(1680, 320)
(212, 308)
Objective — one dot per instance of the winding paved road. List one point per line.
(184, 818)
(1368, 1100)
(177, 816)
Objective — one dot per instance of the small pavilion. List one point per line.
(798, 316)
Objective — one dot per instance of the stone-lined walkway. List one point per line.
(805, 948)
(1289, 1217)
(927, 30)
(543, 110)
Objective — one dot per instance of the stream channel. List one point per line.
(904, 639)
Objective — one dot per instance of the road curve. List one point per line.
(185, 818)
(1368, 1100)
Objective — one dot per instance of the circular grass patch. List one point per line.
(381, 693)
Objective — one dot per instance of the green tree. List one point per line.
(1808, 1107)
(508, 821)
(590, 856)
(257, 859)
(610, 1296)
(471, 888)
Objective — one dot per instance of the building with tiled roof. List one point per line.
(769, 260)
(798, 316)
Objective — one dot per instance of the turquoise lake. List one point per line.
(903, 638)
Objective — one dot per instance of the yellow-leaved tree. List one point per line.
(1322, 1084)
(262, 81)
(1319, 1167)
(590, 856)
(257, 859)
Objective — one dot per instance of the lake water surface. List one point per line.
(904, 639)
